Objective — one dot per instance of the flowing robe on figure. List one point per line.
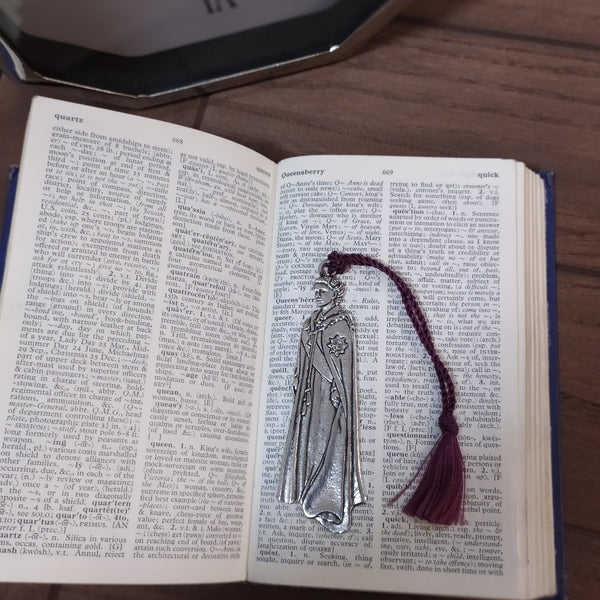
(320, 468)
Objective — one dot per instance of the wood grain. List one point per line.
(494, 78)
(574, 23)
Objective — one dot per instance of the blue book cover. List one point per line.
(548, 178)
(13, 175)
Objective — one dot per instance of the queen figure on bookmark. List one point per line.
(320, 468)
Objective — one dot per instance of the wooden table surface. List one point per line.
(490, 78)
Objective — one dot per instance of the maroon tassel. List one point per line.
(439, 497)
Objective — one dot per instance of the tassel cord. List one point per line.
(339, 263)
(439, 497)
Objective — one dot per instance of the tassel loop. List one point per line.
(439, 497)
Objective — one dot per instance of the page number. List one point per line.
(388, 171)
(178, 140)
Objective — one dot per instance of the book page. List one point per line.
(131, 325)
(448, 227)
